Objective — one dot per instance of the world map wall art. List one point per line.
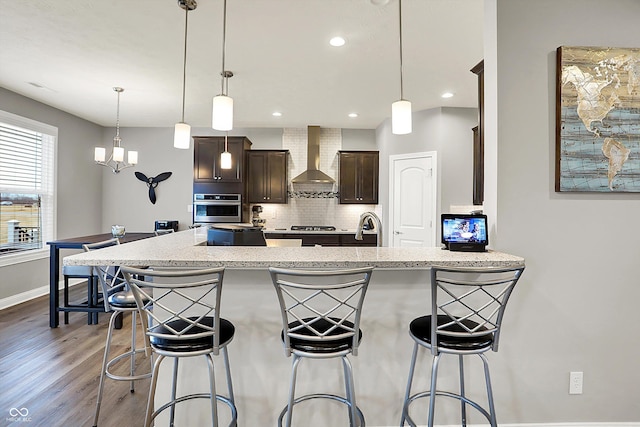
(598, 119)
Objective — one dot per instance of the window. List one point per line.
(27, 188)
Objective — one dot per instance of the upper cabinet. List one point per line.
(206, 165)
(359, 177)
(267, 176)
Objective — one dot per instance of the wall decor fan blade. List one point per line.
(162, 176)
(152, 194)
(142, 177)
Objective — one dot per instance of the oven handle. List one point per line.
(217, 202)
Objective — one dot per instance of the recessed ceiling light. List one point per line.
(353, 115)
(337, 41)
(447, 95)
(276, 114)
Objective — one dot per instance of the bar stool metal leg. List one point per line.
(463, 405)
(108, 363)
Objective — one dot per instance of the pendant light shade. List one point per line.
(401, 110)
(401, 117)
(225, 160)
(222, 113)
(182, 133)
(182, 136)
(225, 157)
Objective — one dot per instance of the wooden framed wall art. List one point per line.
(598, 119)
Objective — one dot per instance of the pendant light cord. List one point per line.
(117, 137)
(224, 43)
(400, 20)
(184, 63)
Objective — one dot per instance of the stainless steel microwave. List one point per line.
(209, 208)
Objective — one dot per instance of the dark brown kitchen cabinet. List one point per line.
(206, 165)
(267, 176)
(359, 177)
(326, 239)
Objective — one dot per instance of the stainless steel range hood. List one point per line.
(313, 174)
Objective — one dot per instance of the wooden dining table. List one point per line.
(54, 264)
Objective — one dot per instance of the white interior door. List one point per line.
(413, 199)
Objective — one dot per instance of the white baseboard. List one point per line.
(579, 424)
(31, 294)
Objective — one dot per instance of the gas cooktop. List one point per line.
(313, 228)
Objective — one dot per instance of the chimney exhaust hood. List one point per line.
(313, 174)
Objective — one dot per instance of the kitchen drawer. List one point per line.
(350, 240)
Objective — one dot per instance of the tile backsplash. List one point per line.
(313, 204)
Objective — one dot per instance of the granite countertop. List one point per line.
(188, 249)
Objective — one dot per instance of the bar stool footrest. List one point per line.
(125, 377)
(223, 399)
(464, 399)
(340, 399)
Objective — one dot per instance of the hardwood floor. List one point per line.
(54, 373)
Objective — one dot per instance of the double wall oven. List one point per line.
(210, 208)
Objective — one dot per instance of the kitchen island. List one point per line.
(398, 292)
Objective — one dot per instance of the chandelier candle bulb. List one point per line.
(118, 154)
(100, 154)
(132, 157)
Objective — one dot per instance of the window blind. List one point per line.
(27, 184)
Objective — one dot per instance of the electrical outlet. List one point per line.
(575, 382)
(190, 208)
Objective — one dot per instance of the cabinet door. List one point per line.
(267, 176)
(234, 174)
(368, 178)
(277, 177)
(359, 177)
(207, 152)
(348, 178)
(256, 176)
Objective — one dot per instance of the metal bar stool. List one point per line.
(321, 319)
(183, 320)
(468, 306)
(118, 299)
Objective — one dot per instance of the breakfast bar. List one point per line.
(398, 292)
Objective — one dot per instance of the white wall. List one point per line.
(575, 308)
(448, 131)
(79, 204)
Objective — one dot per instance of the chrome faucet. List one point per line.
(378, 226)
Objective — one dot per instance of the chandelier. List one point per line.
(116, 159)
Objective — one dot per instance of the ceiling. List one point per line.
(70, 54)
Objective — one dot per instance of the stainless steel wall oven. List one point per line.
(209, 208)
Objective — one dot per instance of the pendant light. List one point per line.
(225, 157)
(116, 160)
(222, 112)
(401, 110)
(182, 134)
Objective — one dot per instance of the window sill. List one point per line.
(33, 255)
